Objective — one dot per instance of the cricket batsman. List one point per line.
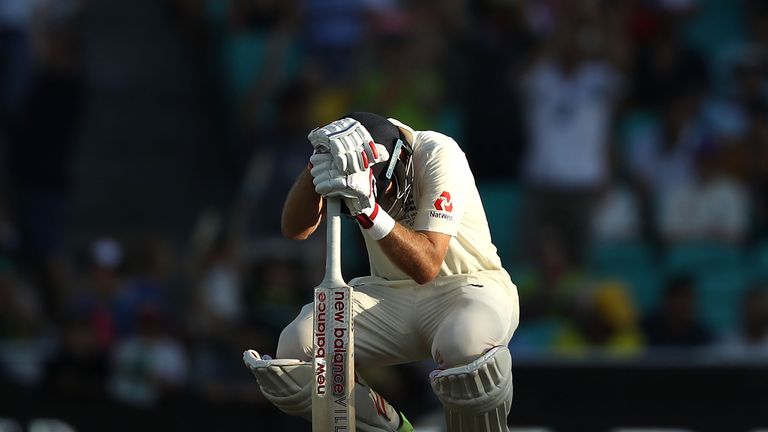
(436, 288)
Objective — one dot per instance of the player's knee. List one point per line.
(295, 342)
(458, 346)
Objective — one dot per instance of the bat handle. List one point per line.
(333, 275)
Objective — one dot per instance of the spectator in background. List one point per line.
(746, 92)
(24, 345)
(96, 301)
(554, 282)
(266, 53)
(740, 114)
(334, 30)
(438, 33)
(712, 206)
(259, 52)
(15, 61)
(674, 324)
(663, 155)
(274, 302)
(42, 136)
(280, 152)
(151, 285)
(150, 365)
(756, 161)
(603, 318)
(219, 295)
(569, 98)
(617, 216)
(745, 155)
(494, 132)
(401, 76)
(21, 314)
(750, 340)
(78, 368)
(662, 62)
(216, 317)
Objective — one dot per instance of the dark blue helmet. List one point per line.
(397, 170)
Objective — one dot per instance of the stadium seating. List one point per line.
(719, 271)
(720, 293)
(721, 277)
(536, 335)
(697, 257)
(608, 256)
(759, 262)
(633, 263)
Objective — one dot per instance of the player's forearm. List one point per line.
(302, 211)
(413, 252)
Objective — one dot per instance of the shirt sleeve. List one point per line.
(443, 174)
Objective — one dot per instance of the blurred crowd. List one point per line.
(628, 140)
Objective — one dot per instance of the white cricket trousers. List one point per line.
(453, 319)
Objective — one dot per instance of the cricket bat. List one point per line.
(333, 408)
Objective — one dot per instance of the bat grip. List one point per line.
(333, 275)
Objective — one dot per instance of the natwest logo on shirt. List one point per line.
(443, 202)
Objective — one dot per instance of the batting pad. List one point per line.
(477, 397)
(287, 383)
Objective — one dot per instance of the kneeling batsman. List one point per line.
(436, 285)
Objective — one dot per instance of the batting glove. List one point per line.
(350, 144)
(357, 190)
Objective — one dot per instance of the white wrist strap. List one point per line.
(376, 222)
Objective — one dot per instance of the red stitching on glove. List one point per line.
(366, 221)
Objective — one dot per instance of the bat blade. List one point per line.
(332, 399)
(333, 408)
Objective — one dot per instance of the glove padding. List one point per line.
(349, 143)
(358, 190)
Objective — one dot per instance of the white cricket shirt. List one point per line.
(446, 200)
(568, 120)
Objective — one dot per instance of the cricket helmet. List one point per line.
(397, 170)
